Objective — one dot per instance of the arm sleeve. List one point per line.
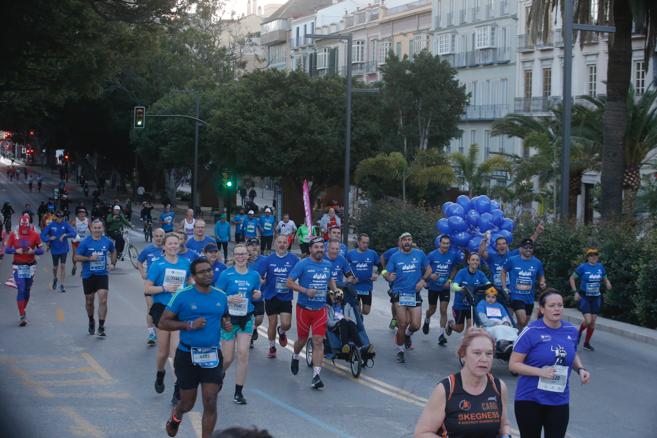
(524, 343)
(296, 272)
(331, 316)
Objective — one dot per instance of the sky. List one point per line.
(239, 6)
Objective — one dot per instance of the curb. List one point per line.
(619, 328)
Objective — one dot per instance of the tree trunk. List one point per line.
(575, 189)
(170, 184)
(615, 115)
(631, 185)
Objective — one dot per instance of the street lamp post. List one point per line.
(347, 135)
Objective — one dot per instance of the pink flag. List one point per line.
(306, 206)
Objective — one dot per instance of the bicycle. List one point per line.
(133, 252)
(148, 230)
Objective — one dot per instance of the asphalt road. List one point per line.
(57, 381)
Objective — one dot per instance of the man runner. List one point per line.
(267, 228)
(384, 262)
(167, 219)
(199, 312)
(81, 225)
(199, 240)
(57, 234)
(314, 279)
(145, 258)
(363, 261)
(250, 226)
(94, 252)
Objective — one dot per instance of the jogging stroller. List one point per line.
(357, 358)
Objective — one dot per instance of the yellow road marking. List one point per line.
(94, 395)
(73, 382)
(81, 427)
(96, 366)
(59, 312)
(62, 371)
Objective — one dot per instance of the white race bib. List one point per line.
(99, 264)
(556, 383)
(493, 312)
(238, 309)
(205, 357)
(25, 271)
(407, 300)
(174, 277)
(281, 285)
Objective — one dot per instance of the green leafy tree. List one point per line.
(475, 174)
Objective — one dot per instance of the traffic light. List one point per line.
(140, 117)
(66, 156)
(228, 181)
(31, 133)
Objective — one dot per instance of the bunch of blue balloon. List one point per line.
(466, 220)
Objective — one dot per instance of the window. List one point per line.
(640, 77)
(527, 76)
(322, 59)
(485, 37)
(384, 49)
(398, 50)
(446, 43)
(277, 54)
(358, 51)
(461, 143)
(372, 51)
(419, 43)
(473, 137)
(297, 42)
(547, 82)
(592, 74)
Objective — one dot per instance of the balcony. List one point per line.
(536, 104)
(479, 57)
(486, 112)
(274, 37)
(526, 45)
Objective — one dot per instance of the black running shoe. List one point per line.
(317, 382)
(425, 327)
(408, 342)
(254, 337)
(294, 366)
(400, 357)
(442, 340)
(448, 329)
(54, 284)
(239, 399)
(159, 382)
(92, 327)
(22, 321)
(101, 331)
(172, 426)
(588, 347)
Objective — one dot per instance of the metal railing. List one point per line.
(535, 104)
(486, 112)
(478, 57)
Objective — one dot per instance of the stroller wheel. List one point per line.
(355, 362)
(309, 353)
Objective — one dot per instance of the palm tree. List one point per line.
(475, 175)
(623, 15)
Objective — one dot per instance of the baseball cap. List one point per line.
(267, 210)
(315, 240)
(407, 234)
(253, 241)
(116, 207)
(211, 247)
(251, 212)
(527, 242)
(59, 213)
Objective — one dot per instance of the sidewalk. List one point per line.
(623, 329)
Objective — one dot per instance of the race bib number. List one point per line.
(25, 271)
(239, 308)
(524, 284)
(407, 300)
(100, 264)
(363, 292)
(593, 288)
(493, 312)
(174, 277)
(267, 226)
(281, 285)
(205, 357)
(250, 228)
(320, 296)
(556, 383)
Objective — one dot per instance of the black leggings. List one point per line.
(532, 417)
(224, 247)
(348, 332)
(118, 241)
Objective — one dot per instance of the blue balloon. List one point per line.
(482, 204)
(445, 207)
(494, 205)
(461, 239)
(457, 224)
(455, 210)
(498, 216)
(472, 218)
(485, 222)
(464, 202)
(507, 224)
(507, 235)
(442, 225)
(473, 245)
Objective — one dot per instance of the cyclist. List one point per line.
(57, 234)
(443, 263)
(590, 274)
(469, 276)
(24, 244)
(167, 218)
(166, 275)
(254, 262)
(408, 271)
(81, 225)
(94, 252)
(199, 240)
(115, 223)
(363, 262)
(274, 271)
(267, 229)
(199, 313)
(241, 285)
(146, 216)
(314, 280)
(145, 258)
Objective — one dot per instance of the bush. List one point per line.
(644, 298)
(385, 220)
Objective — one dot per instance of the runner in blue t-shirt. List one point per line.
(198, 241)
(146, 257)
(523, 273)
(363, 262)
(94, 252)
(443, 263)
(211, 252)
(167, 219)
(266, 226)
(200, 313)
(543, 356)
(336, 233)
(254, 262)
(408, 271)
(238, 221)
(165, 276)
(56, 235)
(314, 280)
(591, 275)
(250, 226)
(222, 234)
(470, 276)
(274, 271)
(242, 285)
(341, 269)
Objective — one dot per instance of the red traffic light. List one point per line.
(31, 132)
(66, 157)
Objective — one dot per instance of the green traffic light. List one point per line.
(229, 184)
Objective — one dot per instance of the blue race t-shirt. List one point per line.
(267, 225)
(275, 270)
(162, 273)
(343, 249)
(234, 283)
(590, 277)
(251, 227)
(312, 275)
(466, 278)
(197, 246)
(167, 220)
(340, 267)
(255, 265)
(239, 219)
(362, 266)
(102, 248)
(58, 230)
(217, 269)
(409, 268)
(149, 253)
(523, 275)
(545, 346)
(189, 304)
(442, 264)
(495, 262)
(388, 253)
(222, 231)
(189, 255)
